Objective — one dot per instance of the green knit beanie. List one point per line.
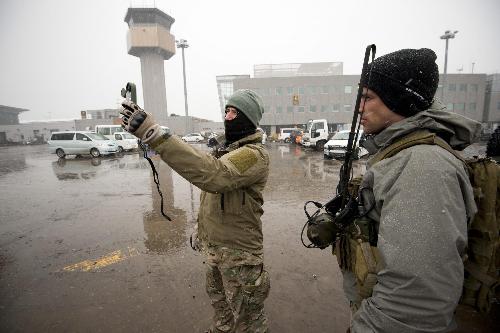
(248, 102)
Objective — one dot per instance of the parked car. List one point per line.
(81, 143)
(193, 137)
(336, 146)
(125, 141)
(284, 135)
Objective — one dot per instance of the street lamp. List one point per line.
(182, 44)
(447, 35)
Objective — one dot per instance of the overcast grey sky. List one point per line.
(62, 56)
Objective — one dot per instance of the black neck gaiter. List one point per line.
(238, 128)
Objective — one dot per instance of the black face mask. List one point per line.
(238, 128)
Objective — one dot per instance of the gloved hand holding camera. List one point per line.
(139, 123)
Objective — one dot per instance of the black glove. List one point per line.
(139, 123)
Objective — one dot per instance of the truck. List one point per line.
(316, 134)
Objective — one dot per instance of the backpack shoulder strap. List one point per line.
(421, 137)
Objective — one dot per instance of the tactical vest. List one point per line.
(357, 252)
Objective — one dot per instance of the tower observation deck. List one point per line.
(149, 39)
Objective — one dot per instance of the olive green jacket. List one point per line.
(231, 199)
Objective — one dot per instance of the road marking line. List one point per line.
(109, 259)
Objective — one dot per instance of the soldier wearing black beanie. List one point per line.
(405, 80)
(403, 271)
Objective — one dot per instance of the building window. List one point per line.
(289, 90)
(463, 87)
(324, 90)
(498, 106)
(473, 87)
(459, 106)
(279, 91)
(347, 107)
(301, 91)
(313, 90)
(300, 109)
(324, 108)
(289, 109)
(279, 109)
(449, 106)
(452, 87)
(336, 107)
(348, 89)
(312, 108)
(472, 107)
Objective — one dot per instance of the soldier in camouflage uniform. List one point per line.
(229, 230)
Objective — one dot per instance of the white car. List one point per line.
(193, 137)
(336, 146)
(125, 141)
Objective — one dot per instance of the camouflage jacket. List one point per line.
(231, 199)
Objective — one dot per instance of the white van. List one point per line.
(337, 145)
(109, 130)
(285, 134)
(81, 143)
(125, 141)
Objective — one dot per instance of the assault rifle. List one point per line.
(343, 199)
(322, 228)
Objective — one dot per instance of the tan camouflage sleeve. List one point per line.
(239, 168)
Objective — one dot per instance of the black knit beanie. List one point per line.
(405, 80)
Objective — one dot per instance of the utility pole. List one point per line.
(447, 35)
(182, 44)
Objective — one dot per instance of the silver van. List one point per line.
(81, 143)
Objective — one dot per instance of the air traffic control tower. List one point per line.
(149, 39)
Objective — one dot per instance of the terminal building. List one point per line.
(492, 100)
(295, 93)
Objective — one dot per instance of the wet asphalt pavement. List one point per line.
(84, 248)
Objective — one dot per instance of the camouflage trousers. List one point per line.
(237, 285)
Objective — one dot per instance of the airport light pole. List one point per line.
(447, 35)
(182, 44)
